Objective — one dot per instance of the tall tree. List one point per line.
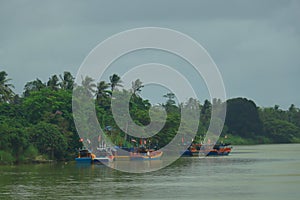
(243, 118)
(294, 115)
(137, 85)
(35, 85)
(115, 80)
(53, 83)
(67, 81)
(170, 98)
(89, 85)
(103, 95)
(281, 131)
(49, 140)
(102, 90)
(6, 93)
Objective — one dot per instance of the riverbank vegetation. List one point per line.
(38, 124)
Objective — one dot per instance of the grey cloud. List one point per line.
(255, 43)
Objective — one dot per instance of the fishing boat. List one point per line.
(137, 153)
(145, 154)
(220, 150)
(122, 153)
(208, 150)
(103, 155)
(85, 156)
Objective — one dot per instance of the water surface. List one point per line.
(250, 172)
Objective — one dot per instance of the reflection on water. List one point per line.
(250, 172)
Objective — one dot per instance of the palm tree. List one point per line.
(103, 95)
(192, 104)
(6, 93)
(115, 80)
(53, 82)
(137, 85)
(35, 85)
(89, 85)
(67, 81)
(102, 89)
(170, 96)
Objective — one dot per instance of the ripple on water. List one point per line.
(258, 172)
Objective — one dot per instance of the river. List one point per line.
(249, 172)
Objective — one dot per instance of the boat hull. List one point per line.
(122, 158)
(216, 151)
(100, 160)
(144, 156)
(83, 160)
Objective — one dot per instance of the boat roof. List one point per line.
(84, 151)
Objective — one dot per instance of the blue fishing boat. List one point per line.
(85, 156)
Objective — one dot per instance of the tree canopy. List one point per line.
(40, 123)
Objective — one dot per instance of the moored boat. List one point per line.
(220, 150)
(122, 153)
(145, 154)
(140, 153)
(84, 156)
(103, 155)
(104, 159)
(208, 150)
(156, 155)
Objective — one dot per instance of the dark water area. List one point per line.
(249, 172)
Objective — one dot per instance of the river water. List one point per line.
(249, 172)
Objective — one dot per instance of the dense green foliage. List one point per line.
(40, 125)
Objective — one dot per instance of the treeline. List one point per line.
(39, 123)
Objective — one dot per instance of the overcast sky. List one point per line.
(255, 44)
